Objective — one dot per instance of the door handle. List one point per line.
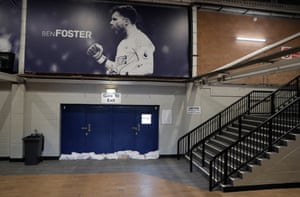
(137, 128)
(84, 128)
(134, 128)
(88, 128)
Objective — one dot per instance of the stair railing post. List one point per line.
(248, 103)
(297, 87)
(220, 123)
(272, 104)
(240, 127)
(225, 167)
(210, 176)
(178, 150)
(203, 153)
(191, 161)
(298, 104)
(270, 136)
(189, 143)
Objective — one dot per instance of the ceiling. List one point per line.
(279, 8)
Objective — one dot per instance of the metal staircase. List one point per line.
(240, 157)
(231, 143)
(219, 121)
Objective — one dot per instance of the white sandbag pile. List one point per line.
(117, 155)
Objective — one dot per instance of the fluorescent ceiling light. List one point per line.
(251, 39)
(110, 90)
(235, 10)
(253, 12)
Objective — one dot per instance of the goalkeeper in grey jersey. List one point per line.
(134, 53)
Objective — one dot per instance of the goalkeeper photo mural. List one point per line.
(102, 38)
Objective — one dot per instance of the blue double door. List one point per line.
(108, 128)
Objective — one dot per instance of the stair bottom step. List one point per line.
(204, 170)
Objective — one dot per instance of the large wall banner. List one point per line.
(107, 38)
(10, 28)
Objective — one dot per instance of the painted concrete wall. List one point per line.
(37, 106)
(212, 100)
(5, 119)
(42, 108)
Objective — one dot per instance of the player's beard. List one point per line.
(120, 31)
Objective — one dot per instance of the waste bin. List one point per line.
(33, 148)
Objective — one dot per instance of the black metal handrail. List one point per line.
(243, 151)
(268, 105)
(212, 125)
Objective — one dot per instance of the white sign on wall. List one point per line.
(167, 116)
(193, 110)
(110, 98)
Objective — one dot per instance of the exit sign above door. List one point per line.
(111, 98)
